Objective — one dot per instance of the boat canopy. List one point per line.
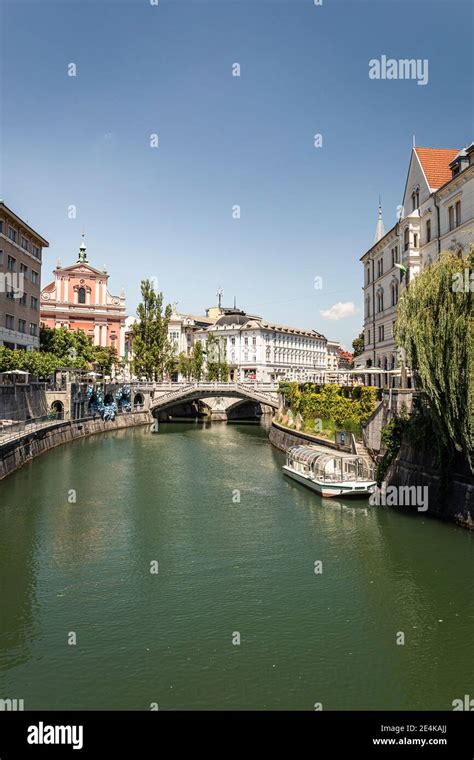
(328, 466)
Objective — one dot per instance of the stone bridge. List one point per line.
(220, 397)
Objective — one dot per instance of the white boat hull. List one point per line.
(342, 488)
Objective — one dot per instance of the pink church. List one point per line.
(79, 300)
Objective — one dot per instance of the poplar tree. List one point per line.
(435, 325)
(151, 348)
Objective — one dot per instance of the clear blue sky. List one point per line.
(166, 212)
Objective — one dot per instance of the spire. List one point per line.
(380, 229)
(82, 251)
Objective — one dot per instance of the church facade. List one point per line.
(78, 299)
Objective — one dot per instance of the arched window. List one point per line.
(380, 300)
(81, 295)
(394, 288)
(406, 238)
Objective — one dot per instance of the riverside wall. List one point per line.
(17, 452)
(282, 438)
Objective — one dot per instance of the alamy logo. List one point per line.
(463, 282)
(11, 282)
(11, 705)
(463, 704)
(400, 496)
(404, 68)
(42, 734)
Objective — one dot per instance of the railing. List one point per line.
(11, 429)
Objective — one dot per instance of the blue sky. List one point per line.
(166, 212)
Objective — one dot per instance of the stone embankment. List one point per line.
(17, 451)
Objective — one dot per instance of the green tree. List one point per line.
(197, 360)
(105, 357)
(435, 326)
(358, 345)
(216, 363)
(151, 348)
(68, 345)
(185, 365)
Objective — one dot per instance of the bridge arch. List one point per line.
(200, 391)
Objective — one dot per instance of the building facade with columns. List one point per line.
(436, 215)
(78, 299)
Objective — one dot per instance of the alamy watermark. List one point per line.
(400, 496)
(463, 282)
(403, 68)
(12, 282)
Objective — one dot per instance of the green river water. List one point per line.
(225, 566)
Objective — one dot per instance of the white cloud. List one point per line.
(339, 311)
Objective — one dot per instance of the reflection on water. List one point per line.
(236, 544)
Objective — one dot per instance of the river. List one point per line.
(235, 544)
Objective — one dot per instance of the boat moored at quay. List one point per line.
(330, 473)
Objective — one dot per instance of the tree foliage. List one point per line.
(358, 345)
(197, 360)
(152, 351)
(216, 361)
(435, 326)
(346, 407)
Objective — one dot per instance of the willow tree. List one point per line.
(435, 326)
(151, 347)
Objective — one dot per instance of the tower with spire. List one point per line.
(82, 252)
(380, 229)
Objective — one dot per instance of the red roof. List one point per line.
(435, 163)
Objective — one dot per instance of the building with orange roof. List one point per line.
(436, 214)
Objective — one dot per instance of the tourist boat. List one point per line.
(330, 473)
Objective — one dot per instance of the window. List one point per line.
(406, 239)
(380, 267)
(36, 251)
(415, 240)
(417, 193)
(428, 231)
(254, 341)
(367, 306)
(368, 337)
(34, 276)
(380, 300)
(10, 292)
(33, 329)
(413, 201)
(81, 296)
(1, 227)
(458, 213)
(12, 234)
(451, 217)
(232, 340)
(11, 264)
(381, 332)
(394, 293)
(9, 322)
(246, 341)
(24, 243)
(23, 299)
(22, 326)
(24, 270)
(34, 302)
(368, 273)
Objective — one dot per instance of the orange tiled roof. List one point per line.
(435, 163)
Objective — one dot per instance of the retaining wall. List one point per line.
(14, 454)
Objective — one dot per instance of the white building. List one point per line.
(255, 349)
(437, 214)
